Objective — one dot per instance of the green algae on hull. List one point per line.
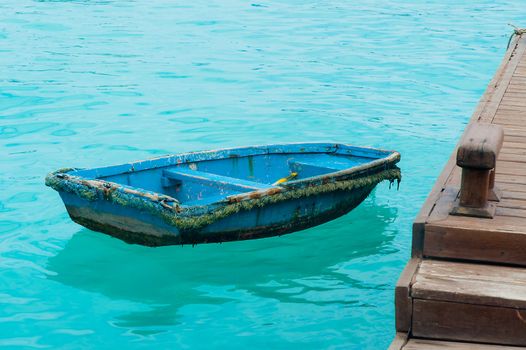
(179, 216)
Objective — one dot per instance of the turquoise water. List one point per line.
(91, 83)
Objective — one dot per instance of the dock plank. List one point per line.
(468, 322)
(403, 301)
(426, 344)
(511, 187)
(510, 179)
(470, 283)
(478, 244)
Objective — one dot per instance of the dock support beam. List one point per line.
(477, 156)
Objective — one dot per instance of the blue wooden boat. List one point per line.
(224, 195)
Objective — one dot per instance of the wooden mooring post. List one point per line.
(477, 156)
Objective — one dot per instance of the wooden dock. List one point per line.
(465, 284)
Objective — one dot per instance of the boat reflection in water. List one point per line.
(169, 281)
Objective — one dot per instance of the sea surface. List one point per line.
(92, 83)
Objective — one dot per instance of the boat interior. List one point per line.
(202, 182)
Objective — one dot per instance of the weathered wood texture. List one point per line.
(399, 341)
(425, 344)
(468, 322)
(403, 300)
(465, 287)
(469, 302)
(470, 284)
(501, 239)
(480, 147)
(487, 110)
(477, 156)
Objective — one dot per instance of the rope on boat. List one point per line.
(516, 31)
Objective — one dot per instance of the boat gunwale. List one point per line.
(225, 153)
(318, 180)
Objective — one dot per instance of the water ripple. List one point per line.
(90, 83)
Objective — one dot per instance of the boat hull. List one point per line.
(224, 195)
(139, 227)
